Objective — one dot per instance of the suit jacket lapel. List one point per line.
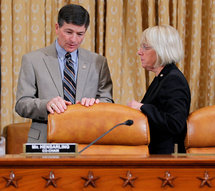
(157, 83)
(151, 92)
(83, 69)
(53, 67)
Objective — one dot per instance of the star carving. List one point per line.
(90, 179)
(206, 180)
(51, 180)
(167, 179)
(12, 180)
(129, 179)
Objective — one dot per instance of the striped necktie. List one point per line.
(69, 85)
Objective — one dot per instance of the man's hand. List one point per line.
(135, 105)
(88, 101)
(57, 104)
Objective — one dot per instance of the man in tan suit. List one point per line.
(41, 84)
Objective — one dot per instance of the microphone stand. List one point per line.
(128, 122)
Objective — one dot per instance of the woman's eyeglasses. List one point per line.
(145, 47)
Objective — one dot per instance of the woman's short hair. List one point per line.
(165, 40)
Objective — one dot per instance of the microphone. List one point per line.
(128, 122)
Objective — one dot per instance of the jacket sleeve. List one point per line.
(104, 93)
(28, 105)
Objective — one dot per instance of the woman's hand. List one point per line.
(135, 105)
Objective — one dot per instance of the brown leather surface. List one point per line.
(201, 128)
(17, 135)
(114, 149)
(82, 125)
(209, 150)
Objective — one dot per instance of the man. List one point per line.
(61, 74)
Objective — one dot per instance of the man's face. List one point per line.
(70, 36)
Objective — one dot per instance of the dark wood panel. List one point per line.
(146, 173)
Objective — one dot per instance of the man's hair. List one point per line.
(165, 40)
(73, 14)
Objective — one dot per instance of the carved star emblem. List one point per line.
(12, 180)
(129, 179)
(167, 179)
(51, 180)
(206, 180)
(90, 179)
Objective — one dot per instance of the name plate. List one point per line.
(50, 148)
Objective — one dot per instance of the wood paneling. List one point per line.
(145, 170)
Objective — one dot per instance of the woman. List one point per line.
(167, 100)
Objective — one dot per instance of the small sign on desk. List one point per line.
(50, 148)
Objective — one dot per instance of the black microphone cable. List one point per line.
(128, 122)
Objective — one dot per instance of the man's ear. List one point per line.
(57, 28)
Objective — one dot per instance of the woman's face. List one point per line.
(148, 57)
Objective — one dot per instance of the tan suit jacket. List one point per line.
(40, 80)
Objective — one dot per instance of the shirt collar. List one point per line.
(61, 52)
